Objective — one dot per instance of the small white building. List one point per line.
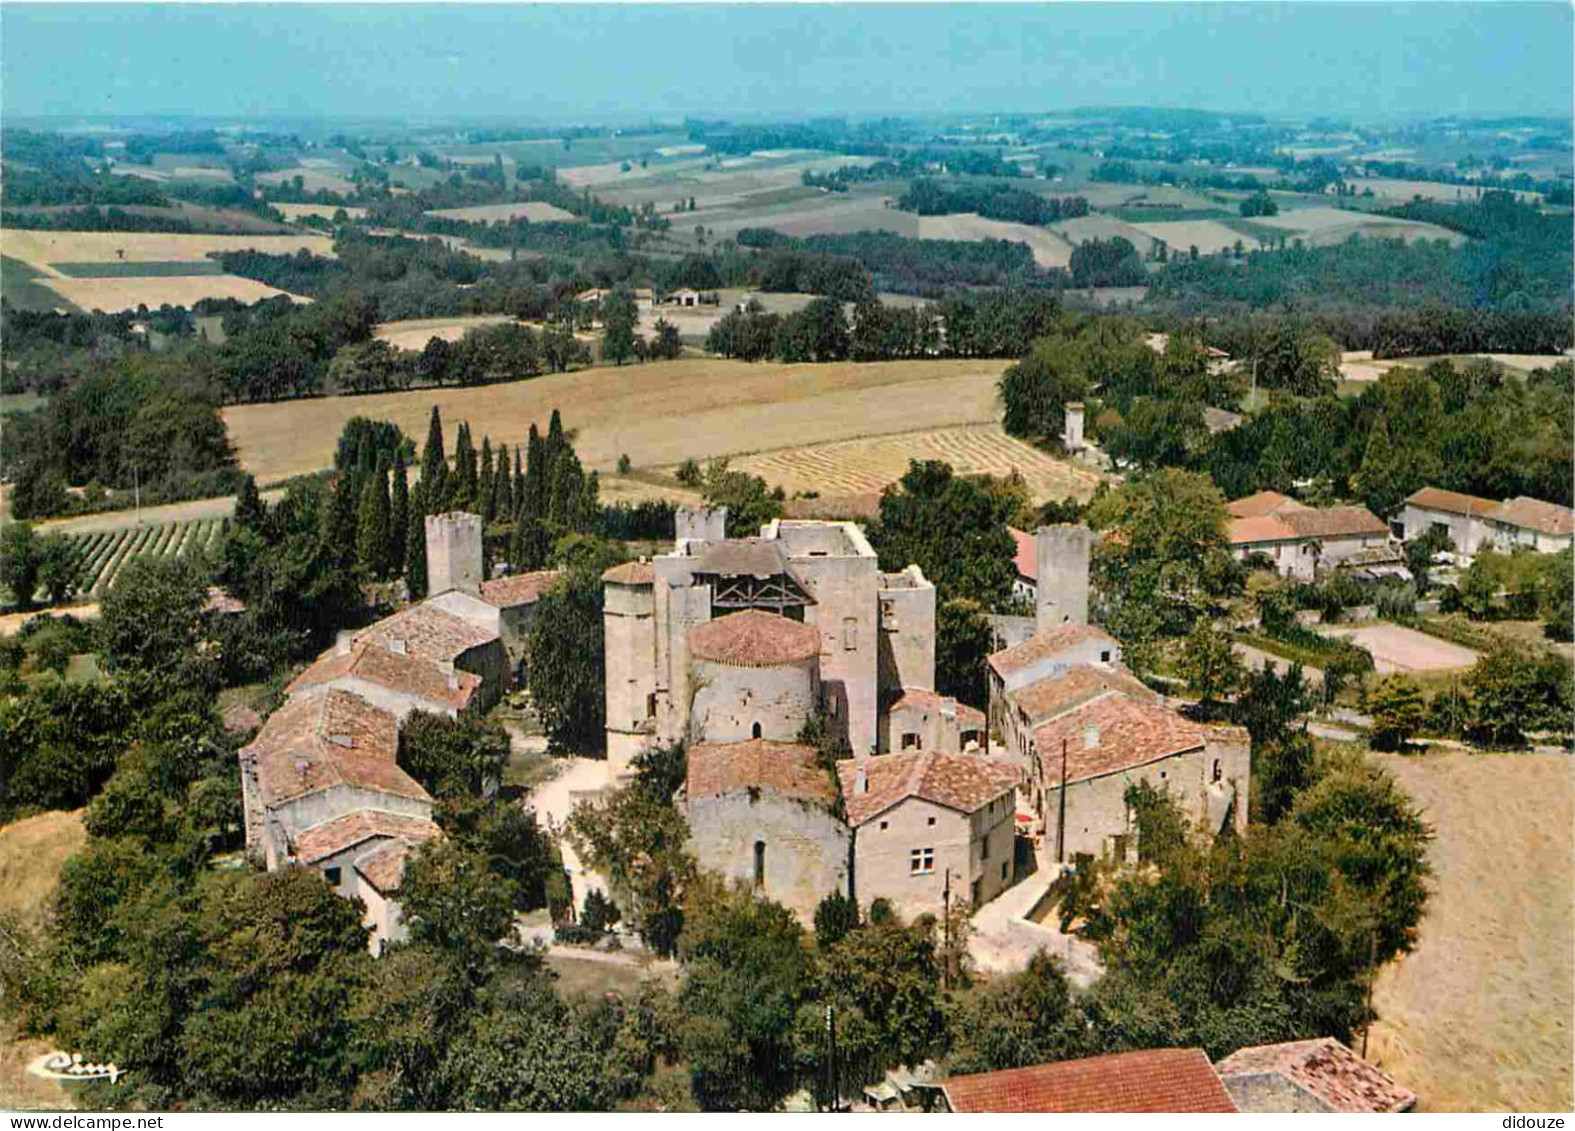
(1303, 540)
(1471, 521)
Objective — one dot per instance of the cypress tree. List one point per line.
(416, 553)
(503, 486)
(336, 525)
(535, 476)
(518, 499)
(372, 520)
(249, 510)
(434, 466)
(462, 492)
(398, 516)
(486, 501)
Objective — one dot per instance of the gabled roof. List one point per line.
(1451, 502)
(384, 865)
(752, 638)
(1260, 504)
(375, 663)
(518, 589)
(427, 633)
(916, 698)
(1114, 733)
(1259, 528)
(964, 782)
(1332, 522)
(321, 738)
(1534, 514)
(1046, 698)
(1026, 557)
(332, 837)
(1324, 1069)
(1152, 1081)
(786, 767)
(1043, 645)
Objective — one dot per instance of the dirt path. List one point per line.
(1478, 1018)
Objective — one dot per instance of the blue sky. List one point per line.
(596, 63)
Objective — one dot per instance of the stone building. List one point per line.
(755, 675)
(1319, 1075)
(764, 813)
(925, 823)
(874, 632)
(925, 720)
(1472, 522)
(1303, 540)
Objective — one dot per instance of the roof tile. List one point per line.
(752, 638)
(332, 837)
(519, 588)
(1333, 522)
(964, 782)
(786, 767)
(1043, 645)
(1116, 733)
(1045, 698)
(1339, 1079)
(1152, 1081)
(375, 663)
(1534, 514)
(322, 738)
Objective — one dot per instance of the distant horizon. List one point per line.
(619, 66)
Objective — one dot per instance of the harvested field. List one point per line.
(627, 489)
(1095, 226)
(325, 211)
(827, 216)
(660, 413)
(40, 249)
(112, 295)
(1321, 227)
(1360, 365)
(1477, 1018)
(536, 211)
(1209, 236)
(1392, 188)
(864, 466)
(1396, 648)
(1050, 249)
(312, 180)
(414, 333)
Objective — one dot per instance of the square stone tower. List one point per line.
(454, 553)
(700, 524)
(1062, 587)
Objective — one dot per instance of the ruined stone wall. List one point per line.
(907, 632)
(1063, 554)
(806, 848)
(454, 552)
(314, 808)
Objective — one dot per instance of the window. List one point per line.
(1104, 657)
(332, 875)
(850, 634)
(1003, 869)
(754, 731)
(883, 825)
(1217, 773)
(650, 705)
(921, 861)
(760, 863)
(910, 741)
(984, 849)
(931, 821)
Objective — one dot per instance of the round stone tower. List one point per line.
(755, 675)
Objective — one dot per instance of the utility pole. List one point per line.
(1372, 970)
(946, 930)
(1060, 820)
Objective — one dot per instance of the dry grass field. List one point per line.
(111, 295)
(312, 180)
(44, 248)
(31, 854)
(864, 466)
(1478, 1017)
(1050, 250)
(1209, 236)
(1320, 227)
(1095, 226)
(659, 414)
(415, 333)
(325, 211)
(1392, 188)
(833, 214)
(536, 211)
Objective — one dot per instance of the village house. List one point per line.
(1301, 540)
(1154, 1081)
(1319, 1075)
(926, 720)
(1472, 522)
(927, 824)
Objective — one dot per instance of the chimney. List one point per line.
(1090, 737)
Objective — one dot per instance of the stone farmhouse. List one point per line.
(320, 782)
(733, 645)
(1472, 522)
(1303, 541)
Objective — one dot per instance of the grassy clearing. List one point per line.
(659, 414)
(1478, 1017)
(23, 287)
(1050, 249)
(42, 249)
(19, 402)
(119, 270)
(536, 211)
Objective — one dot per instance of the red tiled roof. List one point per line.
(1043, 645)
(428, 633)
(518, 589)
(1154, 1081)
(384, 866)
(753, 638)
(1045, 698)
(786, 767)
(1260, 504)
(920, 699)
(374, 663)
(332, 837)
(1333, 522)
(964, 782)
(1259, 528)
(1115, 733)
(321, 738)
(1339, 1079)
(631, 573)
(1026, 559)
(1451, 502)
(1534, 514)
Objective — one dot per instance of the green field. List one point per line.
(19, 286)
(153, 270)
(101, 556)
(19, 402)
